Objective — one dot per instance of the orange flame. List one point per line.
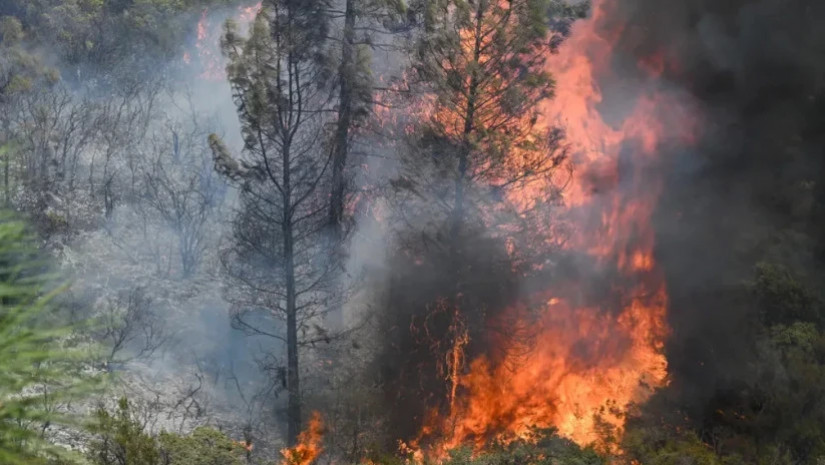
(455, 356)
(248, 13)
(309, 444)
(210, 60)
(588, 361)
(245, 445)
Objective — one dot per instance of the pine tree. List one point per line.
(278, 260)
(477, 82)
(362, 20)
(481, 67)
(38, 367)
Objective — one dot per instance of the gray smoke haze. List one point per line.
(756, 70)
(205, 370)
(165, 191)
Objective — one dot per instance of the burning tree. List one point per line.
(353, 84)
(277, 260)
(481, 66)
(478, 168)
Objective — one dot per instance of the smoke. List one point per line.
(743, 193)
(753, 70)
(751, 73)
(141, 118)
(422, 318)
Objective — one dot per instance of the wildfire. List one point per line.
(245, 445)
(209, 58)
(588, 361)
(589, 358)
(309, 444)
(247, 13)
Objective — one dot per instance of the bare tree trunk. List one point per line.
(293, 378)
(6, 166)
(345, 103)
(341, 150)
(6, 186)
(464, 152)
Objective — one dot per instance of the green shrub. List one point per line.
(122, 440)
(39, 370)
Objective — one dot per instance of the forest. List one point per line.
(412, 232)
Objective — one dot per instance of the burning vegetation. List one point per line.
(469, 231)
(309, 444)
(570, 345)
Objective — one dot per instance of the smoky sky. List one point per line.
(755, 71)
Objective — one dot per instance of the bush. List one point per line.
(39, 370)
(121, 440)
(542, 447)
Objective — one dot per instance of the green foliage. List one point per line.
(788, 401)
(204, 446)
(481, 68)
(483, 62)
(793, 413)
(776, 411)
(18, 68)
(279, 92)
(122, 440)
(39, 370)
(660, 446)
(782, 298)
(105, 32)
(542, 447)
(11, 30)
